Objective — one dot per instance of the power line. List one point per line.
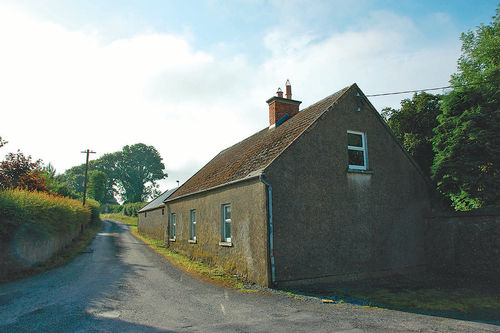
(408, 91)
(429, 89)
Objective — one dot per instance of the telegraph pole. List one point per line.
(86, 173)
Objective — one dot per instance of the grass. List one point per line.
(64, 256)
(435, 299)
(428, 294)
(207, 272)
(130, 220)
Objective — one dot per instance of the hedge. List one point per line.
(55, 214)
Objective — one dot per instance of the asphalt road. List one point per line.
(120, 285)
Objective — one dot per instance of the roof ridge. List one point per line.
(327, 97)
(341, 92)
(256, 152)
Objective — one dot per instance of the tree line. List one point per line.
(130, 175)
(455, 137)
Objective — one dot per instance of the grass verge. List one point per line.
(430, 293)
(207, 272)
(64, 256)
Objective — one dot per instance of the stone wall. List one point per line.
(31, 245)
(464, 244)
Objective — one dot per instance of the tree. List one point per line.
(2, 142)
(138, 168)
(131, 173)
(466, 167)
(74, 178)
(54, 183)
(97, 185)
(19, 171)
(413, 125)
(107, 164)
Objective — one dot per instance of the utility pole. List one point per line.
(86, 173)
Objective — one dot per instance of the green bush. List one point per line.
(54, 214)
(110, 208)
(95, 209)
(131, 209)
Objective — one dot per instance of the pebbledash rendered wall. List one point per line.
(335, 223)
(153, 222)
(247, 255)
(464, 244)
(31, 245)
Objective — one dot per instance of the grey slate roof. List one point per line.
(158, 201)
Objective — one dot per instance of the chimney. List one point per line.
(279, 106)
(288, 89)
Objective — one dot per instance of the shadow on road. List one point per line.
(77, 296)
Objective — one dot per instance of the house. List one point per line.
(152, 218)
(324, 193)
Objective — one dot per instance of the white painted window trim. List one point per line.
(192, 223)
(363, 149)
(224, 221)
(173, 224)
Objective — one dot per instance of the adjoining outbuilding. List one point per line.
(152, 218)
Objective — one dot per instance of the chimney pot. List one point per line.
(279, 93)
(288, 89)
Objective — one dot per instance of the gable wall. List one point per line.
(152, 223)
(248, 254)
(331, 222)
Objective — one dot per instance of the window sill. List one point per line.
(366, 172)
(228, 244)
(192, 241)
(171, 239)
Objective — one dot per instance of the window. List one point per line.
(163, 211)
(172, 226)
(226, 223)
(356, 150)
(192, 234)
(145, 214)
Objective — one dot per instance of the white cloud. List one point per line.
(381, 55)
(62, 91)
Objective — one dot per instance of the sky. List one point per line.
(191, 77)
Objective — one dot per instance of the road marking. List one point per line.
(223, 310)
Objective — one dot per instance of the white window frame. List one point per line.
(192, 225)
(224, 222)
(173, 223)
(363, 149)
